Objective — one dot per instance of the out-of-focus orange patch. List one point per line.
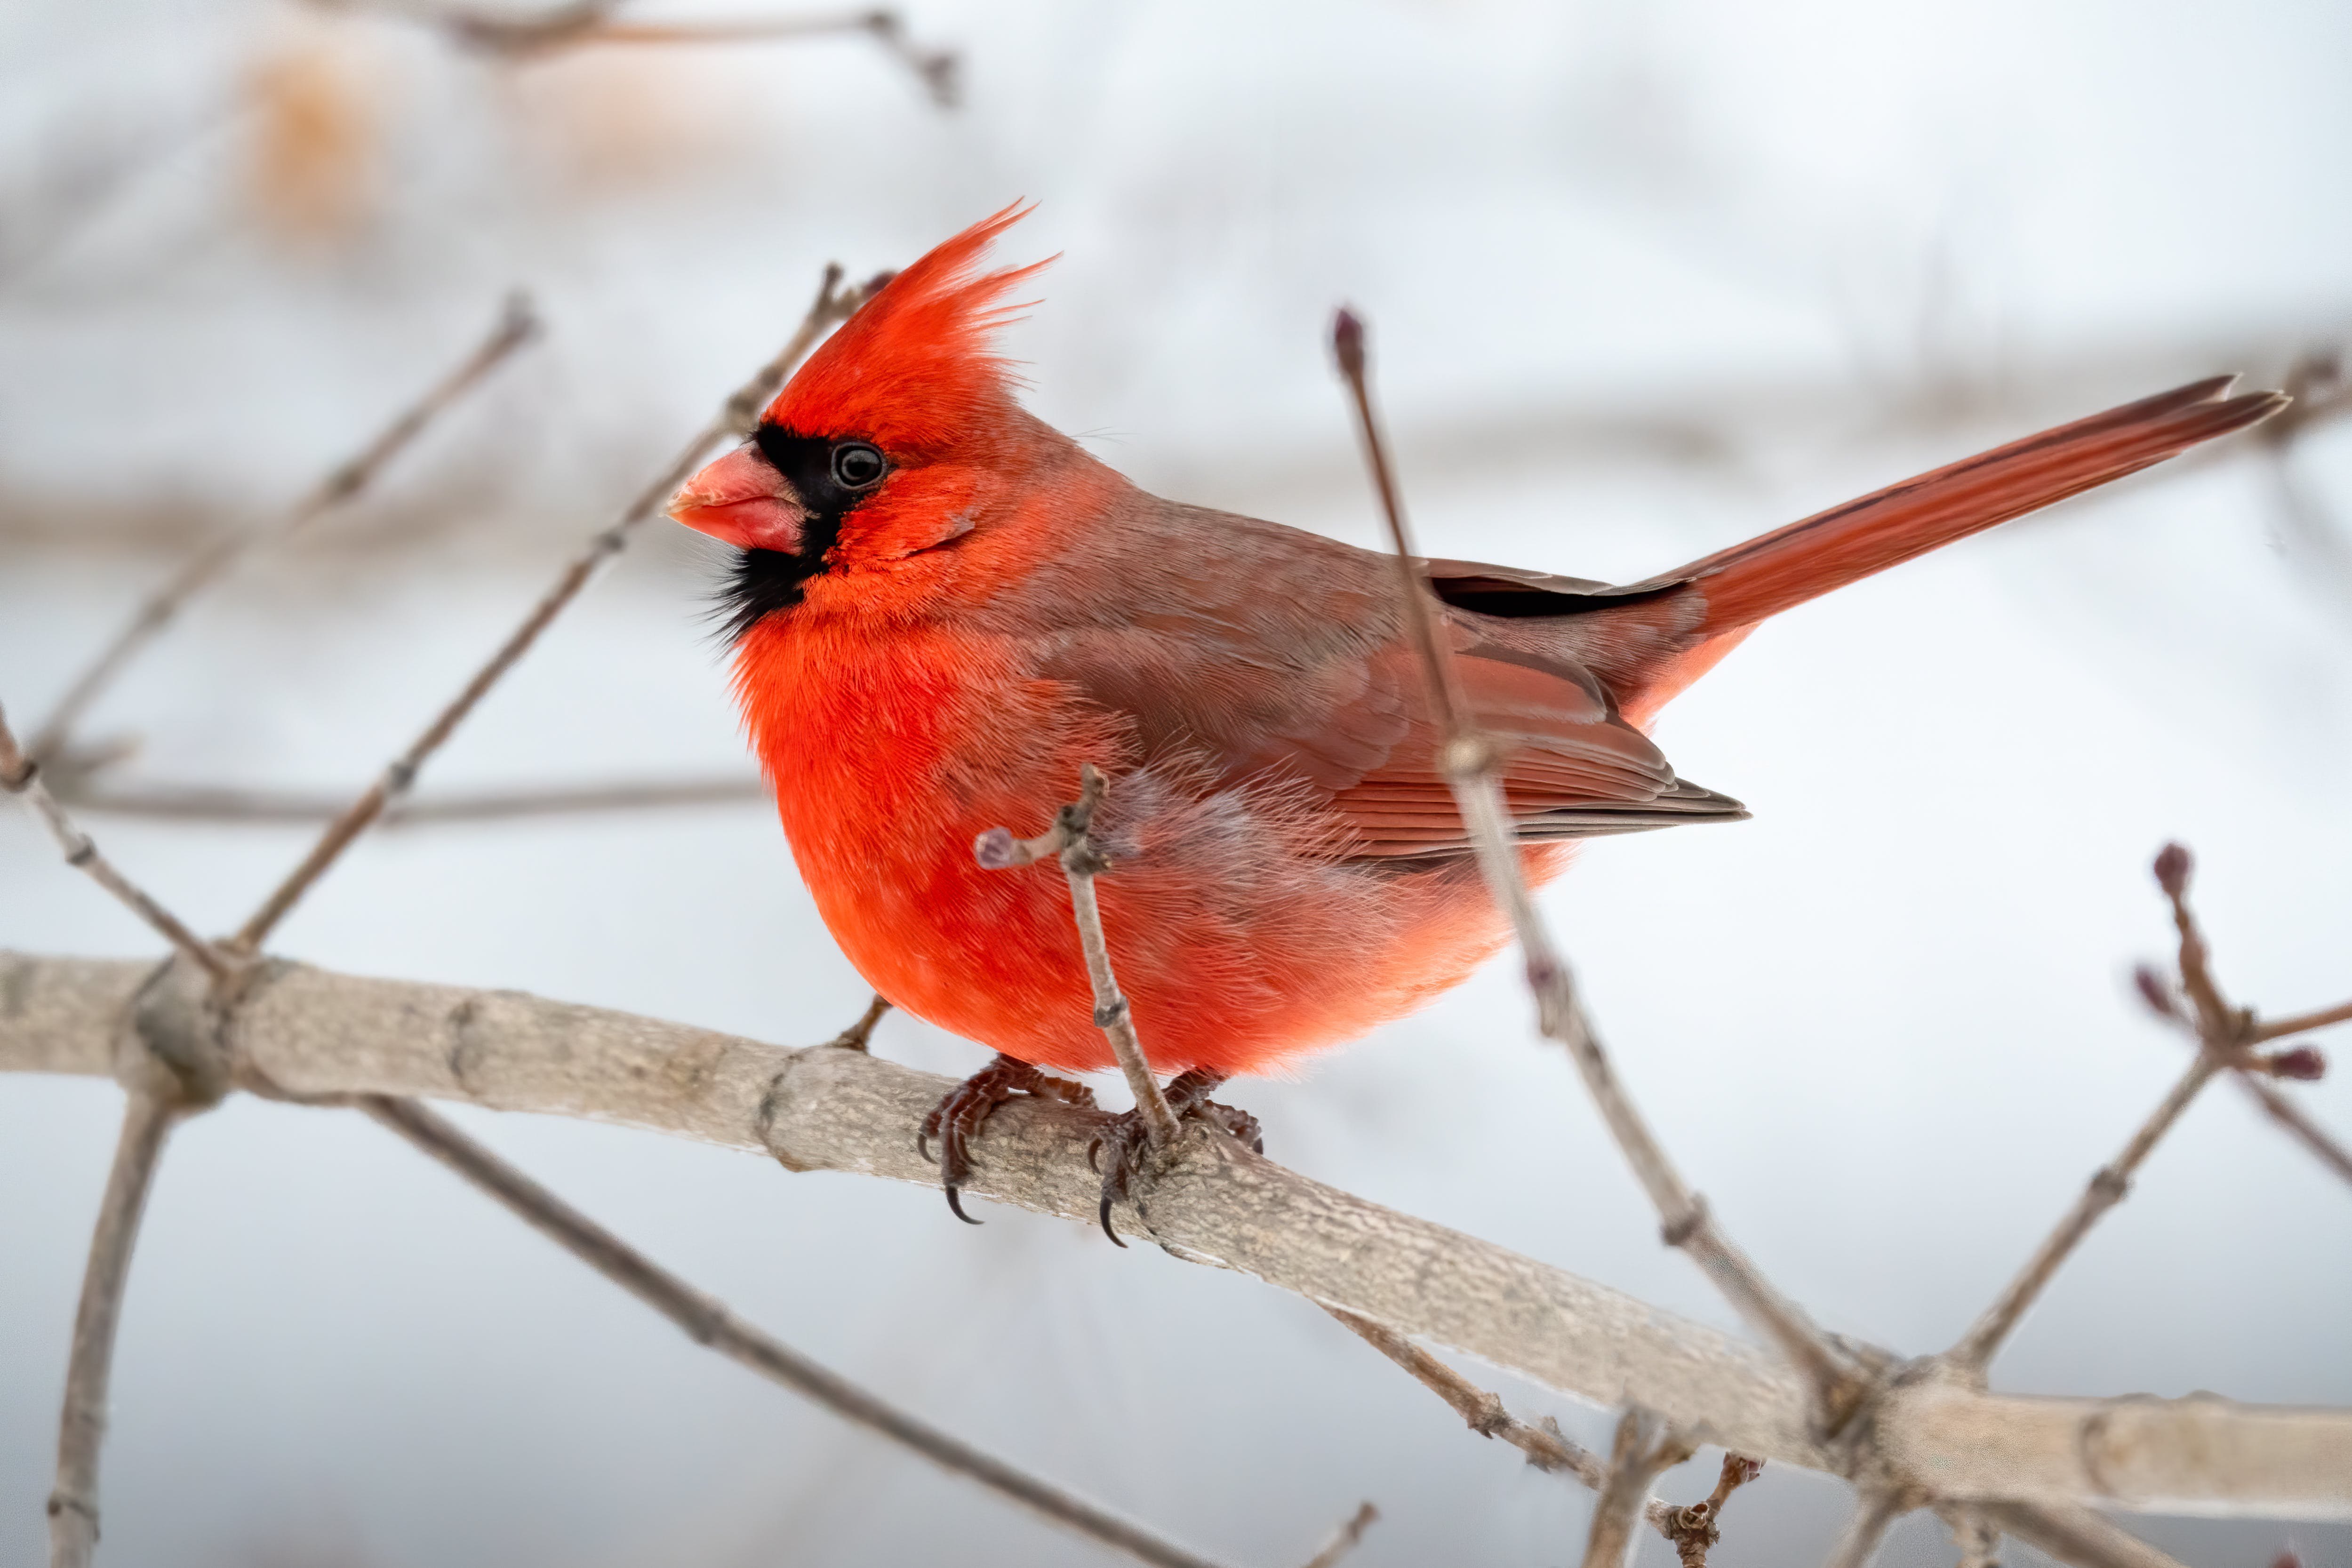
(612, 119)
(316, 139)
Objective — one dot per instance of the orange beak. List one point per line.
(743, 499)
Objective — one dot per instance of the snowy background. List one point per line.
(1643, 280)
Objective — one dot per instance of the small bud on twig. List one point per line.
(1348, 343)
(2156, 992)
(2172, 868)
(2306, 1063)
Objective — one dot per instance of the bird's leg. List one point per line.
(1123, 1140)
(957, 1118)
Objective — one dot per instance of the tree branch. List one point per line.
(2298, 1125)
(518, 324)
(1875, 1513)
(710, 1323)
(304, 1032)
(578, 23)
(209, 802)
(1646, 1447)
(147, 1120)
(2300, 1023)
(1696, 1529)
(1483, 1411)
(1346, 1538)
(1472, 766)
(21, 775)
(737, 419)
(998, 850)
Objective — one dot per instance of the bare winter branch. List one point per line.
(1645, 1448)
(208, 803)
(1346, 1538)
(517, 325)
(1696, 1528)
(1472, 767)
(147, 1122)
(859, 1035)
(2302, 1023)
(21, 775)
(1875, 1513)
(2299, 1125)
(737, 419)
(579, 23)
(708, 1322)
(1484, 1411)
(2222, 1034)
(1067, 839)
(306, 1033)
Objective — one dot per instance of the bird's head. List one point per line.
(893, 438)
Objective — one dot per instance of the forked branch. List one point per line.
(1646, 1447)
(1472, 766)
(21, 775)
(311, 1034)
(710, 1323)
(1068, 840)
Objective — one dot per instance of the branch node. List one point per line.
(1677, 1232)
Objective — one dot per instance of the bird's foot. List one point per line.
(956, 1119)
(1119, 1150)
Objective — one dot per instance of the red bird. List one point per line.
(943, 606)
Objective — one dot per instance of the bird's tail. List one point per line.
(1790, 565)
(1747, 583)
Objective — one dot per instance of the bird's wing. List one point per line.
(1285, 660)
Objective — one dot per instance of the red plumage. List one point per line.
(935, 651)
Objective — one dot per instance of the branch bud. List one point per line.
(1348, 343)
(2172, 868)
(2156, 992)
(2305, 1063)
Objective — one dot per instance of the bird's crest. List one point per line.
(912, 370)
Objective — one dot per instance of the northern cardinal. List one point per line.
(942, 607)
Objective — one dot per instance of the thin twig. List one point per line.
(578, 23)
(1346, 1538)
(1875, 1513)
(1646, 1447)
(1691, 1529)
(210, 803)
(20, 774)
(2298, 1125)
(1472, 766)
(1696, 1528)
(2300, 1023)
(147, 1122)
(859, 1035)
(709, 1323)
(998, 850)
(1483, 1410)
(939, 70)
(737, 418)
(2221, 1033)
(517, 325)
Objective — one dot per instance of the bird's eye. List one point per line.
(857, 465)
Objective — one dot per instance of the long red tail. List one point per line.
(1742, 585)
(1790, 565)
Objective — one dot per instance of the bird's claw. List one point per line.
(958, 1116)
(1188, 1096)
